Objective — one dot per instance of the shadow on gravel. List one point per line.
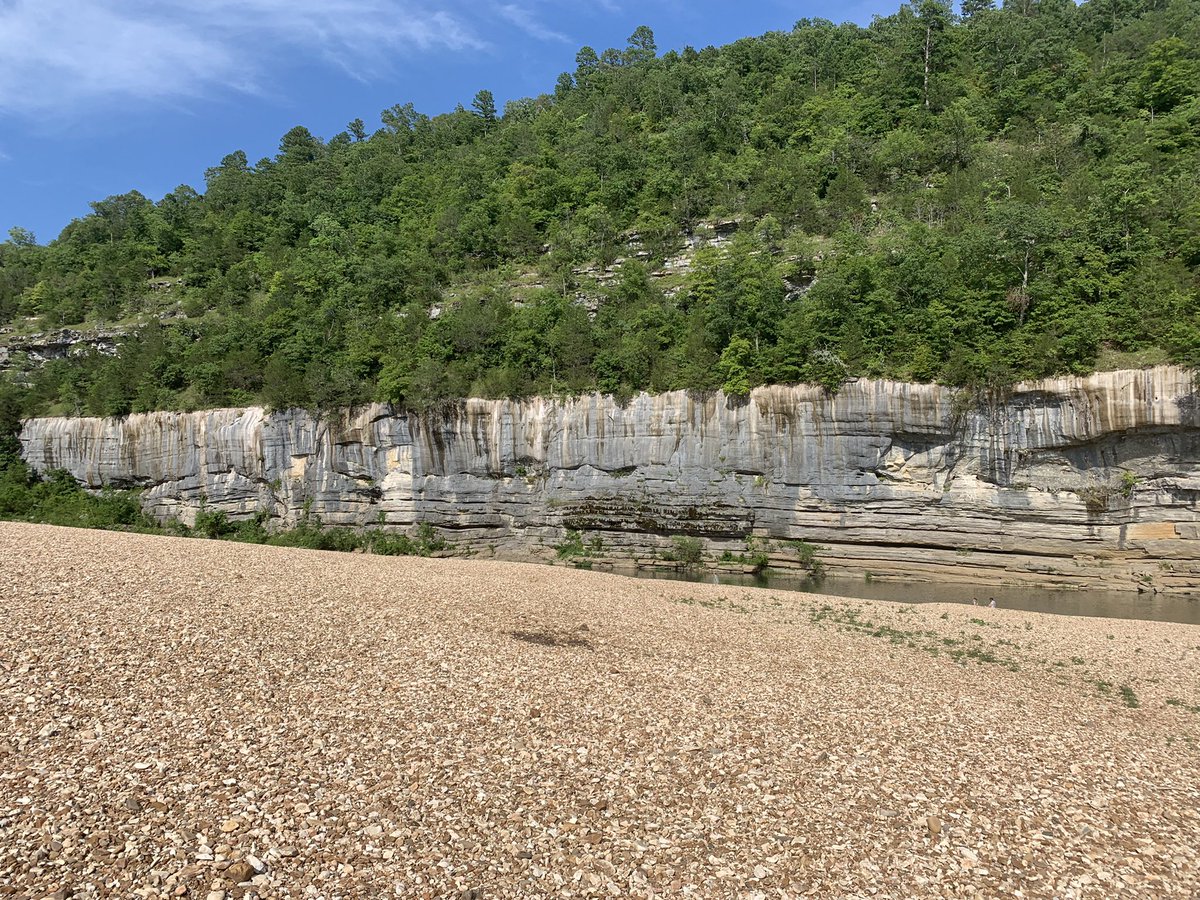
(550, 639)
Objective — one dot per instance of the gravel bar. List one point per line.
(188, 718)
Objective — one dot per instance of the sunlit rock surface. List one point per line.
(1072, 481)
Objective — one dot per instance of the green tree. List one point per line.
(735, 366)
(1169, 76)
(933, 18)
(484, 105)
(642, 48)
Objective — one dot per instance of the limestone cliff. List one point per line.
(1073, 481)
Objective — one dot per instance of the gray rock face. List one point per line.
(1076, 481)
(35, 350)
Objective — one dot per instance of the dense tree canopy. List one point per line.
(1010, 192)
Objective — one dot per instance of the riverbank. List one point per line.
(1062, 602)
(1086, 483)
(223, 717)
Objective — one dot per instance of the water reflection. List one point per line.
(1104, 604)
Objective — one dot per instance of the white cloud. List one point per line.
(525, 19)
(62, 54)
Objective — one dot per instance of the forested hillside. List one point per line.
(1006, 193)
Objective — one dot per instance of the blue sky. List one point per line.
(98, 97)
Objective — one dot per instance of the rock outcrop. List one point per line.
(1074, 482)
(22, 352)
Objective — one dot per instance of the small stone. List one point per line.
(239, 872)
(230, 825)
(256, 864)
(934, 824)
(132, 805)
(215, 895)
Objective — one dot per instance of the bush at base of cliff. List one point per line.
(807, 557)
(387, 543)
(57, 499)
(686, 550)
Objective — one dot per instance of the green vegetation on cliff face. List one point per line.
(1013, 192)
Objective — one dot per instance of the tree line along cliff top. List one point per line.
(971, 198)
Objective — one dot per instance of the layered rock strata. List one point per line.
(1074, 482)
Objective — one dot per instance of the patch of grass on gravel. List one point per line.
(928, 641)
(1175, 701)
(714, 603)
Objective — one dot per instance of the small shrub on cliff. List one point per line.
(686, 550)
(1128, 484)
(1095, 497)
(572, 546)
(757, 553)
(807, 557)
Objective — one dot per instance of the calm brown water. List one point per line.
(1104, 604)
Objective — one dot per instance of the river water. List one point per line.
(1104, 604)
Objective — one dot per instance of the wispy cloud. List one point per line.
(525, 19)
(61, 54)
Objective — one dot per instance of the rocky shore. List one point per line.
(197, 719)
